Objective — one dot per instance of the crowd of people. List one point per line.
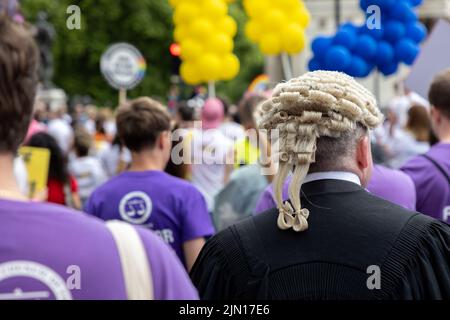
(290, 193)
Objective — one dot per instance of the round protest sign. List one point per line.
(123, 66)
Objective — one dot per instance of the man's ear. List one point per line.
(435, 115)
(363, 153)
(164, 140)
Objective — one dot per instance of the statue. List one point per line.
(45, 35)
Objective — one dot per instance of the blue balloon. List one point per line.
(358, 67)
(320, 47)
(403, 11)
(394, 31)
(416, 32)
(349, 26)
(338, 58)
(385, 54)
(389, 68)
(415, 3)
(407, 51)
(365, 47)
(345, 38)
(315, 64)
(377, 34)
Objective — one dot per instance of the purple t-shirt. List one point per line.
(394, 186)
(433, 189)
(50, 252)
(172, 207)
(389, 184)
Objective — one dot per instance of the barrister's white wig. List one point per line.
(319, 103)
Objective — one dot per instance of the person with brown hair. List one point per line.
(332, 239)
(418, 123)
(145, 194)
(431, 172)
(42, 244)
(62, 187)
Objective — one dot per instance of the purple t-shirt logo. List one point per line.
(173, 208)
(42, 282)
(135, 207)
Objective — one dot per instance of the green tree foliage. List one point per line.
(147, 24)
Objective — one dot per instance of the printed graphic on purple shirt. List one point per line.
(171, 207)
(391, 185)
(432, 185)
(51, 252)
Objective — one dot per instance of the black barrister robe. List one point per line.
(351, 234)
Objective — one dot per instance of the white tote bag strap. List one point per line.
(133, 257)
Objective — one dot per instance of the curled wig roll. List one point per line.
(303, 109)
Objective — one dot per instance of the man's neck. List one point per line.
(8, 182)
(333, 175)
(444, 135)
(445, 138)
(147, 161)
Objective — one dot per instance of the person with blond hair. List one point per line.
(332, 239)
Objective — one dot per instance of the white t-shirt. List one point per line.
(62, 132)
(89, 173)
(21, 174)
(401, 104)
(110, 128)
(89, 125)
(111, 156)
(232, 131)
(404, 147)
(209, 150)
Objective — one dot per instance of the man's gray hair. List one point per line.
(334, 154)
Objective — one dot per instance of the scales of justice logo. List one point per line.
(135, 207)
(31, 281)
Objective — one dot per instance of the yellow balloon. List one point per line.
(288, 5)
(228, 26)
(201, 29)
(303, 17)
(180, 34)
(189, 73)
(293, 39)
(273, 20)
(214, 9)
(209, 67)
(257, 8)
(220, 43)
(190, 50)
(185, 12)
(230, 67)
(270, 44)
(174, 3)
(253, 30)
